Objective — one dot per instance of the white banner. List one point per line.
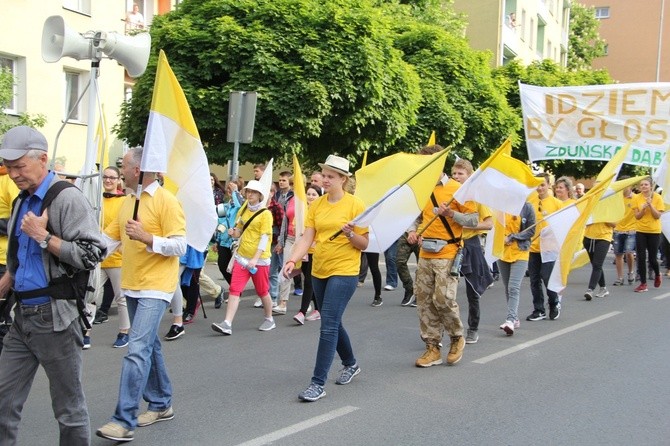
(593, 122)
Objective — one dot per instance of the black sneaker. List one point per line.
(175, 332)
(408, 299)
(537, 316)
(377, 302)
(554, 313)
(219, 299)
(100, 317)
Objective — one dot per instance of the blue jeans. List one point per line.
(143, 373)
(391, 267)
(276, 264)
(332, 296)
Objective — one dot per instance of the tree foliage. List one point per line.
(333, 76)
(584, 41)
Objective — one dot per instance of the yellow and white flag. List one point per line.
(501, 182)
(392, 205)
(300, 199)
(563, 234)
(611, 207)
(495, 239)
(172, 145)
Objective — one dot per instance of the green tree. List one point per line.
(328, 77)
(549, 74)
(7, 82)
(584, 41)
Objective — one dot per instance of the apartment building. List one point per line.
(52, 89)
(526, 30)
(638, 39)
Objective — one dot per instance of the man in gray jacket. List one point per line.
(46, 331)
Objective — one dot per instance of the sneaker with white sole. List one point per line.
(472, 337)
(313, 316)
(223, 327)
(347, 374)
(589, 294)
(279, 310)
(537, 315)
(267, 325)
(602, 292)
(175, 332)
(116, 432)
(121, 340)
(258, 303)
(508, 327)
(312, 393)
(150, 416)
(389, 288)
(299, 318)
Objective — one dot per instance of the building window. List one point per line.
(602, 12)
(606, 49)
(83, 6)
(75, 83)
(522, 25)
(531, 37)
(9, 65)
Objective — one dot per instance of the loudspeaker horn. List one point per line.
(130, 51)
(60, 41)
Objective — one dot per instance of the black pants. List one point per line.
(597, 250)
(646, 242)
(308, 290)
(222, 261)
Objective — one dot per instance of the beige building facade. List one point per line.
(52, 89)
(638, 39)
(526, 30)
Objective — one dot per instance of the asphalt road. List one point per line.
(596, 376)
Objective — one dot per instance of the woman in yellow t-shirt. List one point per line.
(563, 191)
(647, 206)
(252, 259)
(336, 263)
(597, 239)
(519, 230)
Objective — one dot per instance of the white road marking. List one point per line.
(298, 427)
(662, 296)
(516, 348)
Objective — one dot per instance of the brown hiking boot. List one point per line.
(456, 350)
(432, 356)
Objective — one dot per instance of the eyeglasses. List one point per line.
(109, 178)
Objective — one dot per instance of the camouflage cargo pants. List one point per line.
(402, 257)
(435, 292)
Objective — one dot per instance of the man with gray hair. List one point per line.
(44, 246)
(152, 242)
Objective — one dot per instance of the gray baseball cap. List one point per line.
(19, 140)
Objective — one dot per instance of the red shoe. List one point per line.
(657, 281)
(641, 288)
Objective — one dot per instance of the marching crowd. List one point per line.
(50, 238)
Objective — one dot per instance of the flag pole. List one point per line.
(137, 196)
(378, 203)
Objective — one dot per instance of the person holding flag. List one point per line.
(623, 240)
(648, 206)
(151, 246)
(336, 262)
(435, 286)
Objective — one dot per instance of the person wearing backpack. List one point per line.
(50, 247)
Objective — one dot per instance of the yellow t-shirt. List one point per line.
(628, 222)
(567, 202)
(648, 223)
(512, 253)
(484, 213)
(260, 225)
(444, 194)
(110, 211)
(162, 215)
(599, 231)
(336, 257)
(543, 207)
(8, 192)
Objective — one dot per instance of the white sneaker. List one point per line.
(258, 303)
(508, 327)
(267, 325)
(389, 288)
(602, 292)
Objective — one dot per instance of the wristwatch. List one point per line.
(45, 243)
(350, 235)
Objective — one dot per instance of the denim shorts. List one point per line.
(623, 242)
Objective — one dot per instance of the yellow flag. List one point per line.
(614, 164)
(431, 140)
(611, 208)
